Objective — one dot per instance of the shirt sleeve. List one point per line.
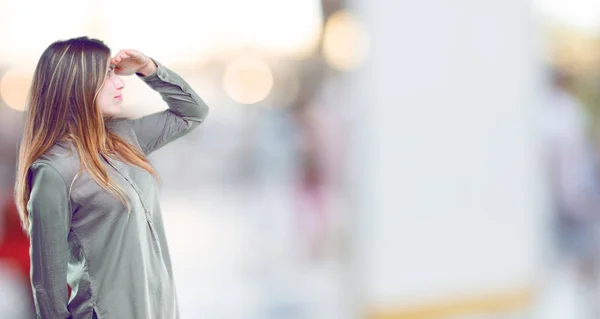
(50, 222)
(186, 111)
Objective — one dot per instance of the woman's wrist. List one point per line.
(147, 69)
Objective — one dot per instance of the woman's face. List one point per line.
(110, 97)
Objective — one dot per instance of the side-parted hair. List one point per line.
(61, 107)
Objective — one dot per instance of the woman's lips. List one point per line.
(119, 97)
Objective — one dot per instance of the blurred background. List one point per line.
(362, 159)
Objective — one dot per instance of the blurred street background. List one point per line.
(373, 159)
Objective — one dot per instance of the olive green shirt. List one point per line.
(115, 260)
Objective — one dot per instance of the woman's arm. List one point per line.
(50, 222)
(186, 109)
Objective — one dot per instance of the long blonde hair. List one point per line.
(62, 107)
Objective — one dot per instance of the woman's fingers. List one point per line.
(127, 60)
(136, 55)
(119, 57)
(124, 54)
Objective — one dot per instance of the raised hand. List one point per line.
(128, 62)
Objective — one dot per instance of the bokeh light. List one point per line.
(581, 14)
(217, 26)
(297, 25)
(27, 28)
(248, 80)
(345, 41)
(14, 86)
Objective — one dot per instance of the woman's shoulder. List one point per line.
(61, 157)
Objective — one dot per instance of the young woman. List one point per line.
(87, 195)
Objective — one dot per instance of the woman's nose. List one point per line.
(119, 83)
